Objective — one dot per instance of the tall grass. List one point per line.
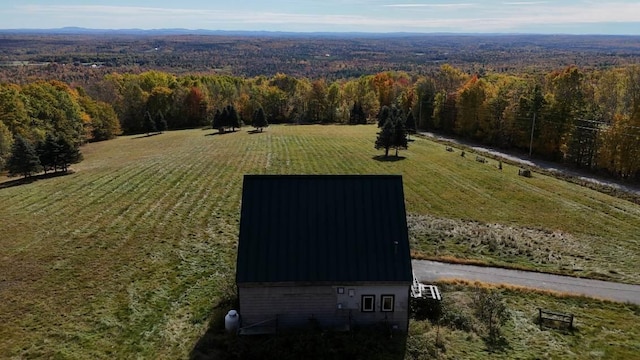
(602, 329)
(129, 254)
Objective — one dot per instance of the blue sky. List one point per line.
(466, 16)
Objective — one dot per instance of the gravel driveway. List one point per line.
(428, 271)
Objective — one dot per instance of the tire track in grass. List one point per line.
(475, 194)
(545, 195)
(314, 155)
(35, 200)
(220, 174)
(470, 194)
(192, 262)
(180, 215)
(78, 206)
(186, 182)
(608, 211)
(90, 229)
(186, 192)
(128, 188)
(204, 203)
(349, 162)
(338, 165)
(164, 293)
(76, 185)
(188, 178)
(114, 241)
(53, 224)
(335, 151)
(54, 302)
(282, 162)
(330, 149)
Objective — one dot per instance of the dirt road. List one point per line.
(427, 271)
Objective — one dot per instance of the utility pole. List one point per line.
(533, 125)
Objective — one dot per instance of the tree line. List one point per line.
(588, 118)
(54, 153)
(43, 124)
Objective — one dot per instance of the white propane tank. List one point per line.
(232, 321)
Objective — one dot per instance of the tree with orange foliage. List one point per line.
(472, 109)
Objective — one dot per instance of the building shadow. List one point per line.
(312, 342)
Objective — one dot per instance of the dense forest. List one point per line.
(77, 58)
(587, 116)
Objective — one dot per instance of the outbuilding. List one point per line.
(328, 250)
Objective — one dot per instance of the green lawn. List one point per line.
(129, 254)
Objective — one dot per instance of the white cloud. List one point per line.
(526, 3)
(449, 6)
(518, 15)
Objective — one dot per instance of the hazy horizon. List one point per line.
(375, 16)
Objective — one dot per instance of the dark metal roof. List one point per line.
(323, 228)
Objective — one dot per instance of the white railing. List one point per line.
(420, 290)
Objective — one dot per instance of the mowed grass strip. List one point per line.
(129, 254)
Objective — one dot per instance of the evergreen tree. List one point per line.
(385, 137)
(352, 115)
(399, 137)
(225, 120)
(393, 133)
(357, 115)
(69, 153)
(217, 121)
(24, 159)
(259, 119)
(48, 153)
(383, 115)
(149, 124)
(362, 116)
(161, 122)
(233, 120)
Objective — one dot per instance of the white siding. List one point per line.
(296, 305)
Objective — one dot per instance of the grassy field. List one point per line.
(602, 330)
(129, 254)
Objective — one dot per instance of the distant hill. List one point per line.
(180, 31)
(165, 32)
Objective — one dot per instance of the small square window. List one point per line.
(368, 303)
(387, 303)
(352, 292)
(340, 290)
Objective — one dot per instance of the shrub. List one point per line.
(491, 310)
